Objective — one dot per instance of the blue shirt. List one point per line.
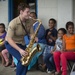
(40, 35)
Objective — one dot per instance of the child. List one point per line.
(68, 47)
(3, 50)
(58, 47)
(40, 39)
(68, 51)
(2, 36)
(51, 35)
(2, 41)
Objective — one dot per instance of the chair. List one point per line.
(2, 58)
(71, 66)
(72, 71)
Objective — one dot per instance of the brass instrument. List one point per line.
(31, 52)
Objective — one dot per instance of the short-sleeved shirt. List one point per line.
(58, 44)
(2, 38)
(17, 32)
(53, 33)
(70, 42)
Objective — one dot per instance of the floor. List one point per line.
(10, 71)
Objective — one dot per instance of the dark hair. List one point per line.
(63, 30)
(69, 24)
(55, 22)
(3, 25)
(33, 13)
(22, 6)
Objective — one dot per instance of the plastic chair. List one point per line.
(72, 70)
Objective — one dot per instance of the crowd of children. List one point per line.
(59, 46)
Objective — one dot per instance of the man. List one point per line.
(17, 29)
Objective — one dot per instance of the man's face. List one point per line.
(26, 13)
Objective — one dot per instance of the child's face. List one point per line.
(1, 29)
(70, 29)
(33, 16)
(60, 34)
(51, 24)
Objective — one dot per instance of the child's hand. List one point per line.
(51, 51)
(49, 33)
(50, 40)
(62, 51)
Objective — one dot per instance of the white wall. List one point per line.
(65, 12)
(61, 10)
(4, 12)
(47, 9)
(74, 11)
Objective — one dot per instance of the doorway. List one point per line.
(13, 4)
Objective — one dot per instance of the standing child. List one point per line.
(51, 35)
(58, 47)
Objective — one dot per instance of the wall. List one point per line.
(65, 12)
(47, 9)
(61, 10)
(74, 11)
(4, 12)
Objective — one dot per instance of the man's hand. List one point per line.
(23, 52)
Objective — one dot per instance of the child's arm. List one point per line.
(55, 35)
(53, 38)
(64, 45)
(53, 49)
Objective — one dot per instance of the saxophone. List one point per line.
(31, 52)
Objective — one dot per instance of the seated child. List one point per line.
(51, 35)
(58, 47)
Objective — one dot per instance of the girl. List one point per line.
(68, 47)
(58, 48)
(2, 36)
(68, 51)
(2, 41)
